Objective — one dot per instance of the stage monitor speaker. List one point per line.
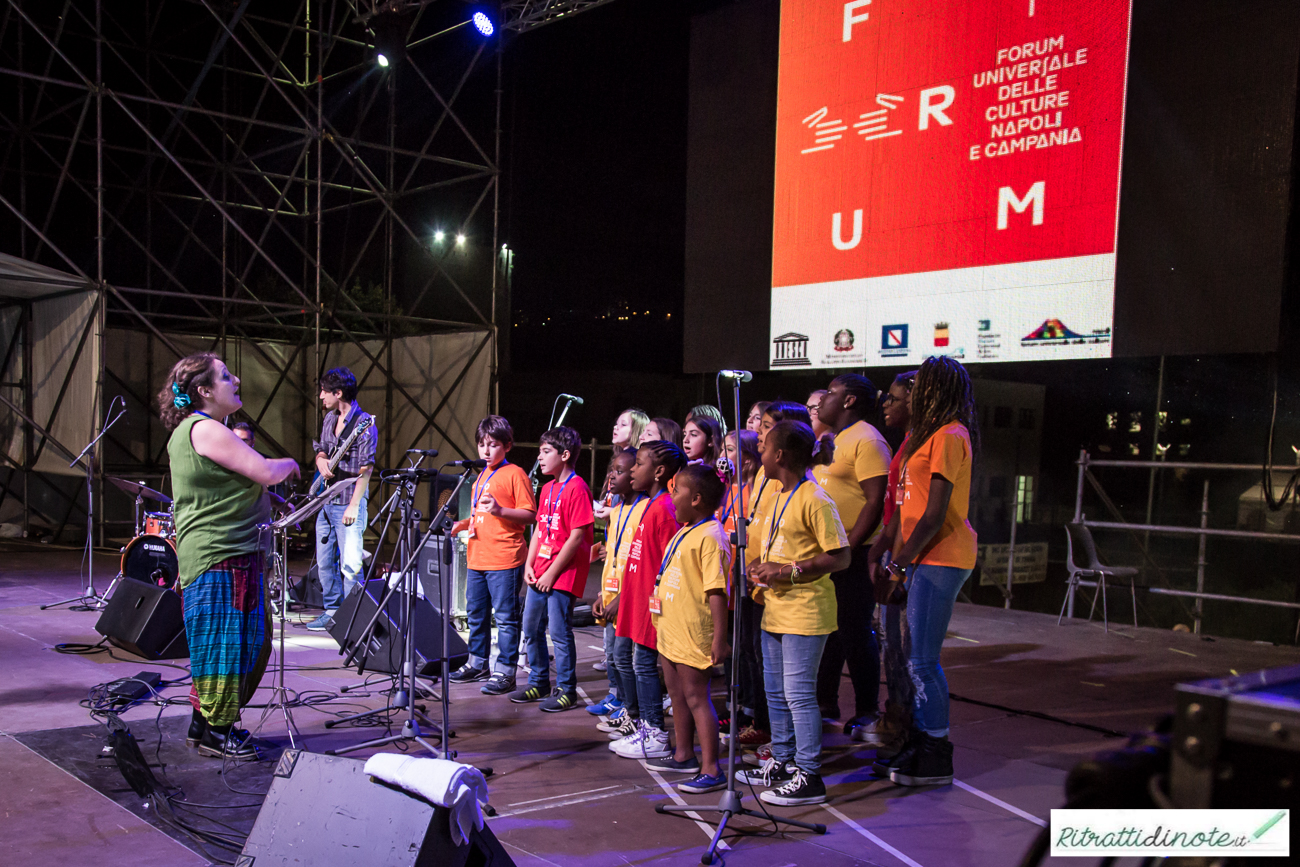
(307, 590)
(324, 810)
(387, 643)
(433, 555)
(145, 619)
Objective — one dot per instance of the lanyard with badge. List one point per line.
(735, 503)
(613, 584)
(775, 526)
(478, 490)
(546, 551)
(656, 604)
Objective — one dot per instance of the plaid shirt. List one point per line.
(360, 455)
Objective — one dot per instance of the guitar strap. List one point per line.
(347, 428)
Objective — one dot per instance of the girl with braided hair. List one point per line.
(219, 484)
(656, 463)
(855, 480)
(933, 552)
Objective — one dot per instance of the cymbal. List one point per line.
(138, 489)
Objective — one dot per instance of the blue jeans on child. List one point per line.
(553, 609)
(625, 671)
(790, 677)
(931, 594)
(610, 672)
(488, 591)
(338, 552)
(649, 690)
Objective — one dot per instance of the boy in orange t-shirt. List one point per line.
(503, 506)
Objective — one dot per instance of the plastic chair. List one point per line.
(1079, 538)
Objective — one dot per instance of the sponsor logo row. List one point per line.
(791, 349)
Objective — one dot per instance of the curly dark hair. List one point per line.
(705, 481)
(187, 375)
(564, 439)
(340, 379)
(941, 393)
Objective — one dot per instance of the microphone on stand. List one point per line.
(428, 453)
(572, 397)
(742, 375)
(469, 465)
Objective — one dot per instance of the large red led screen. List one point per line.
(947, 180)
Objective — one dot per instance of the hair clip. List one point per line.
(181, 400)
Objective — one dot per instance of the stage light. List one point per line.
(483, 23)
(382, 61)
(460, 240)
(439, 236)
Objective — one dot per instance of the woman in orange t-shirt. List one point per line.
(934, 551)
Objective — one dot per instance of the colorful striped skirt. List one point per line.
(228, 627)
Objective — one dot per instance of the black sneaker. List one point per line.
(498, 684)
(801, 789)
(889, 758)
(929, 765)
(528, 694)
(469, 673)
(668, 763)
(559, 701)
(771, 773)
(228, 743)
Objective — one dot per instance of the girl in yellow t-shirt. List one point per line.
(689, 607)
(934, 550)
(798, 544)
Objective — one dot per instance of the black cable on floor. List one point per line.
(1111, 733)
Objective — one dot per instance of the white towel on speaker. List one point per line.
(459, 788)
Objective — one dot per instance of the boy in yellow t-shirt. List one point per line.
(689, 608)
(799, 543)
(623, 520)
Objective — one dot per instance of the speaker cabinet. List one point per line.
(145, 619)
(324, 810)
(387, 643)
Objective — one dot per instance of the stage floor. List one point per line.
(563, 798)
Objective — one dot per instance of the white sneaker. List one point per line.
(668, 705)
(653, 744)
(633, 739)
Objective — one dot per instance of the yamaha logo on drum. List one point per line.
(157, 549)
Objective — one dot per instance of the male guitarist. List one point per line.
(341, 523)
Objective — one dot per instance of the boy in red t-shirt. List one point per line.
(556, 572)
(503, 506)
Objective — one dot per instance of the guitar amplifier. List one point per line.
(428, 575)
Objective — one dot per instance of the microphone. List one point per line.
(742, 375)
(572, 397)
(469, 465)
(428, 453)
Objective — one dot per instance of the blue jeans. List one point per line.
(338, 552)
(790, 676)
(649, 690)
(625, 672)
(931, 594)
(554, 608)
(610, 673)
(488, 591)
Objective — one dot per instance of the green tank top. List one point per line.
(217, 510)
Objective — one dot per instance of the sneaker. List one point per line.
(867, 730)
(619, 727)
(635, 736)
(559, 701)
(701, 783)
(529, 693)
(599, 666)
(652, 744)
(751, 736)
(498, 684)
(758, 756)
(321, 624)
(930, 764)
(469, 673)
(668, 705)
(889, 759)
(605, 706)
(670, 764)
(801, 789)
(231, 743)
(611, 722)
(771, 773)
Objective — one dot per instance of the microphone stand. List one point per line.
(93, 601)
(729, 803)
(555, 422)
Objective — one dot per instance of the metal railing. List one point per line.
(1202, 532)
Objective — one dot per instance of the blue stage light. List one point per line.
(484, 24)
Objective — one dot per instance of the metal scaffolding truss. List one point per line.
(247, 171)
(523, 15)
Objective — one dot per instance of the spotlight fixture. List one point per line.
(460, 240)
(382, 61)
(439, 235)
(483, 23)
(390, 25)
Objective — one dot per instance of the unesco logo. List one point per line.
(790, 350)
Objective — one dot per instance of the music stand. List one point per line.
(729, 803)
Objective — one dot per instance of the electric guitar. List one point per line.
(320, 483)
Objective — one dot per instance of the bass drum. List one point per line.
(151, 559)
